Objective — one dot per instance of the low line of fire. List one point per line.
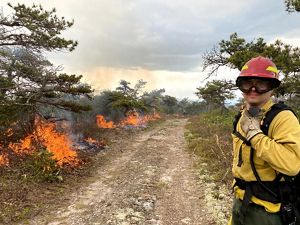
(60, 143)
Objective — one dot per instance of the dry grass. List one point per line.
(24, 194)
(209, 140)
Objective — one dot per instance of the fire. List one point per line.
(57, 143)
(135, 119)
(24, 146)
(92, 141)
(45, 133)
(132, 119)
(102, 123)
(4, 160)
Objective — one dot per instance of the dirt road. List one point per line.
(147, 179)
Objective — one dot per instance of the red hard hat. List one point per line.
(261, 68)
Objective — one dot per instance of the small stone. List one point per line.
(221, 196)
(148, 206)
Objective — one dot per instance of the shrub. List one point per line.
(42, 167)
(209, 138)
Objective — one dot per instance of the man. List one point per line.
(258, 159)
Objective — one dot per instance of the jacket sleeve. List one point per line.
(281, 149)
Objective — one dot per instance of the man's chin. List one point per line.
(253, 103)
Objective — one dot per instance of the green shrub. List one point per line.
(41, 167)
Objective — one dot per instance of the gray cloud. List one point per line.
(162, 35)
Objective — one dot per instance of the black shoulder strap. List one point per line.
(235, 132)
(236, 120)
(270, 115)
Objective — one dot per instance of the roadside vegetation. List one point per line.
(209, 139)
(209, 142)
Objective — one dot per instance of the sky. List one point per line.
(161, 41)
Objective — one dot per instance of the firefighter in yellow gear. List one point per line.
(274, 153)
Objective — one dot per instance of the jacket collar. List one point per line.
(266, 107)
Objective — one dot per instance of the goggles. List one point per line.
(261, 86)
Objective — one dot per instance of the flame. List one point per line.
(102, 123)
(132, 119)
(45, 133)
(57, 143)
(24, 146)
(135, 119)
(4, 159)
(92, 141)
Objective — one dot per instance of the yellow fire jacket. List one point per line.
(277, 152)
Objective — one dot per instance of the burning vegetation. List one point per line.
(63, 149)
(4, 159)
(45, 136)
(93, 142)
(133, 119)
(102, 123)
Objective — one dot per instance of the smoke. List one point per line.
(177, 84)
(103, 78)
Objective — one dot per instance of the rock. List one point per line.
(148, 206)
(221, 196)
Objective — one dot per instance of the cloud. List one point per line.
(155, 35)
(291, 37)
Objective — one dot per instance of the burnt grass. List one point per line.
(24, 195)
